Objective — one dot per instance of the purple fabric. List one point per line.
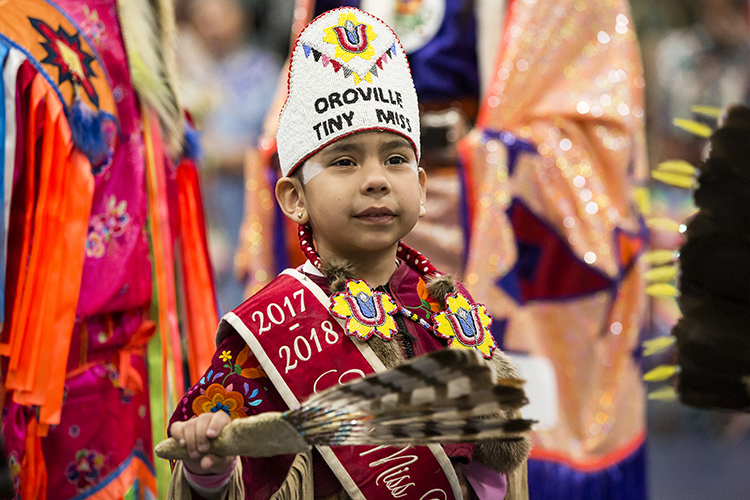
(446, 68)
(487, 484)
(235, 370)
(624, 480)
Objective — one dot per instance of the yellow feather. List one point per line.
(663, 394)
(660, 274)
(677, 180)
(709, 111)
(659, 257)
(677, 167)
(642, 197)
(658, 344)
(661, 373)
(663, 223)
(662, 290)
(693, 127)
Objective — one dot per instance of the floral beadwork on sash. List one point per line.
(465, 325)
(220, 398)
(365, 311)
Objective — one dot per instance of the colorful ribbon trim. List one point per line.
(51, 257)
(33, 468)
(164, 347)
(200, 303)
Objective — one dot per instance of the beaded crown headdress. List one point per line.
(348, 74)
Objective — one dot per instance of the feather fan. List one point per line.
(445, 396)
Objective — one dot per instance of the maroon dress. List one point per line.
(236, 384)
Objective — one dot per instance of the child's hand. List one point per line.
(195, 434)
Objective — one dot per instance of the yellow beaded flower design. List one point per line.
(351, 38)
(365, 311)
(466, 325)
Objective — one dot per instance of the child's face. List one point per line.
(365, 194)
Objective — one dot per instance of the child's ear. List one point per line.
(422, 191)
(291, 199)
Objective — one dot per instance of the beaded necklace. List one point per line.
(369, 312)
(413, 259)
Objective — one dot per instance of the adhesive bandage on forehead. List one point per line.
(310, 169)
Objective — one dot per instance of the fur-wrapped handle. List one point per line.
(264, 435)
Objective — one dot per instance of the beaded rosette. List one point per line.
(465, 325)
(366, 311)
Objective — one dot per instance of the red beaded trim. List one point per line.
(306, 243)
(413, 258)
(416, 260)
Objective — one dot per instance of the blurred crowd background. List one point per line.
(694, 52)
